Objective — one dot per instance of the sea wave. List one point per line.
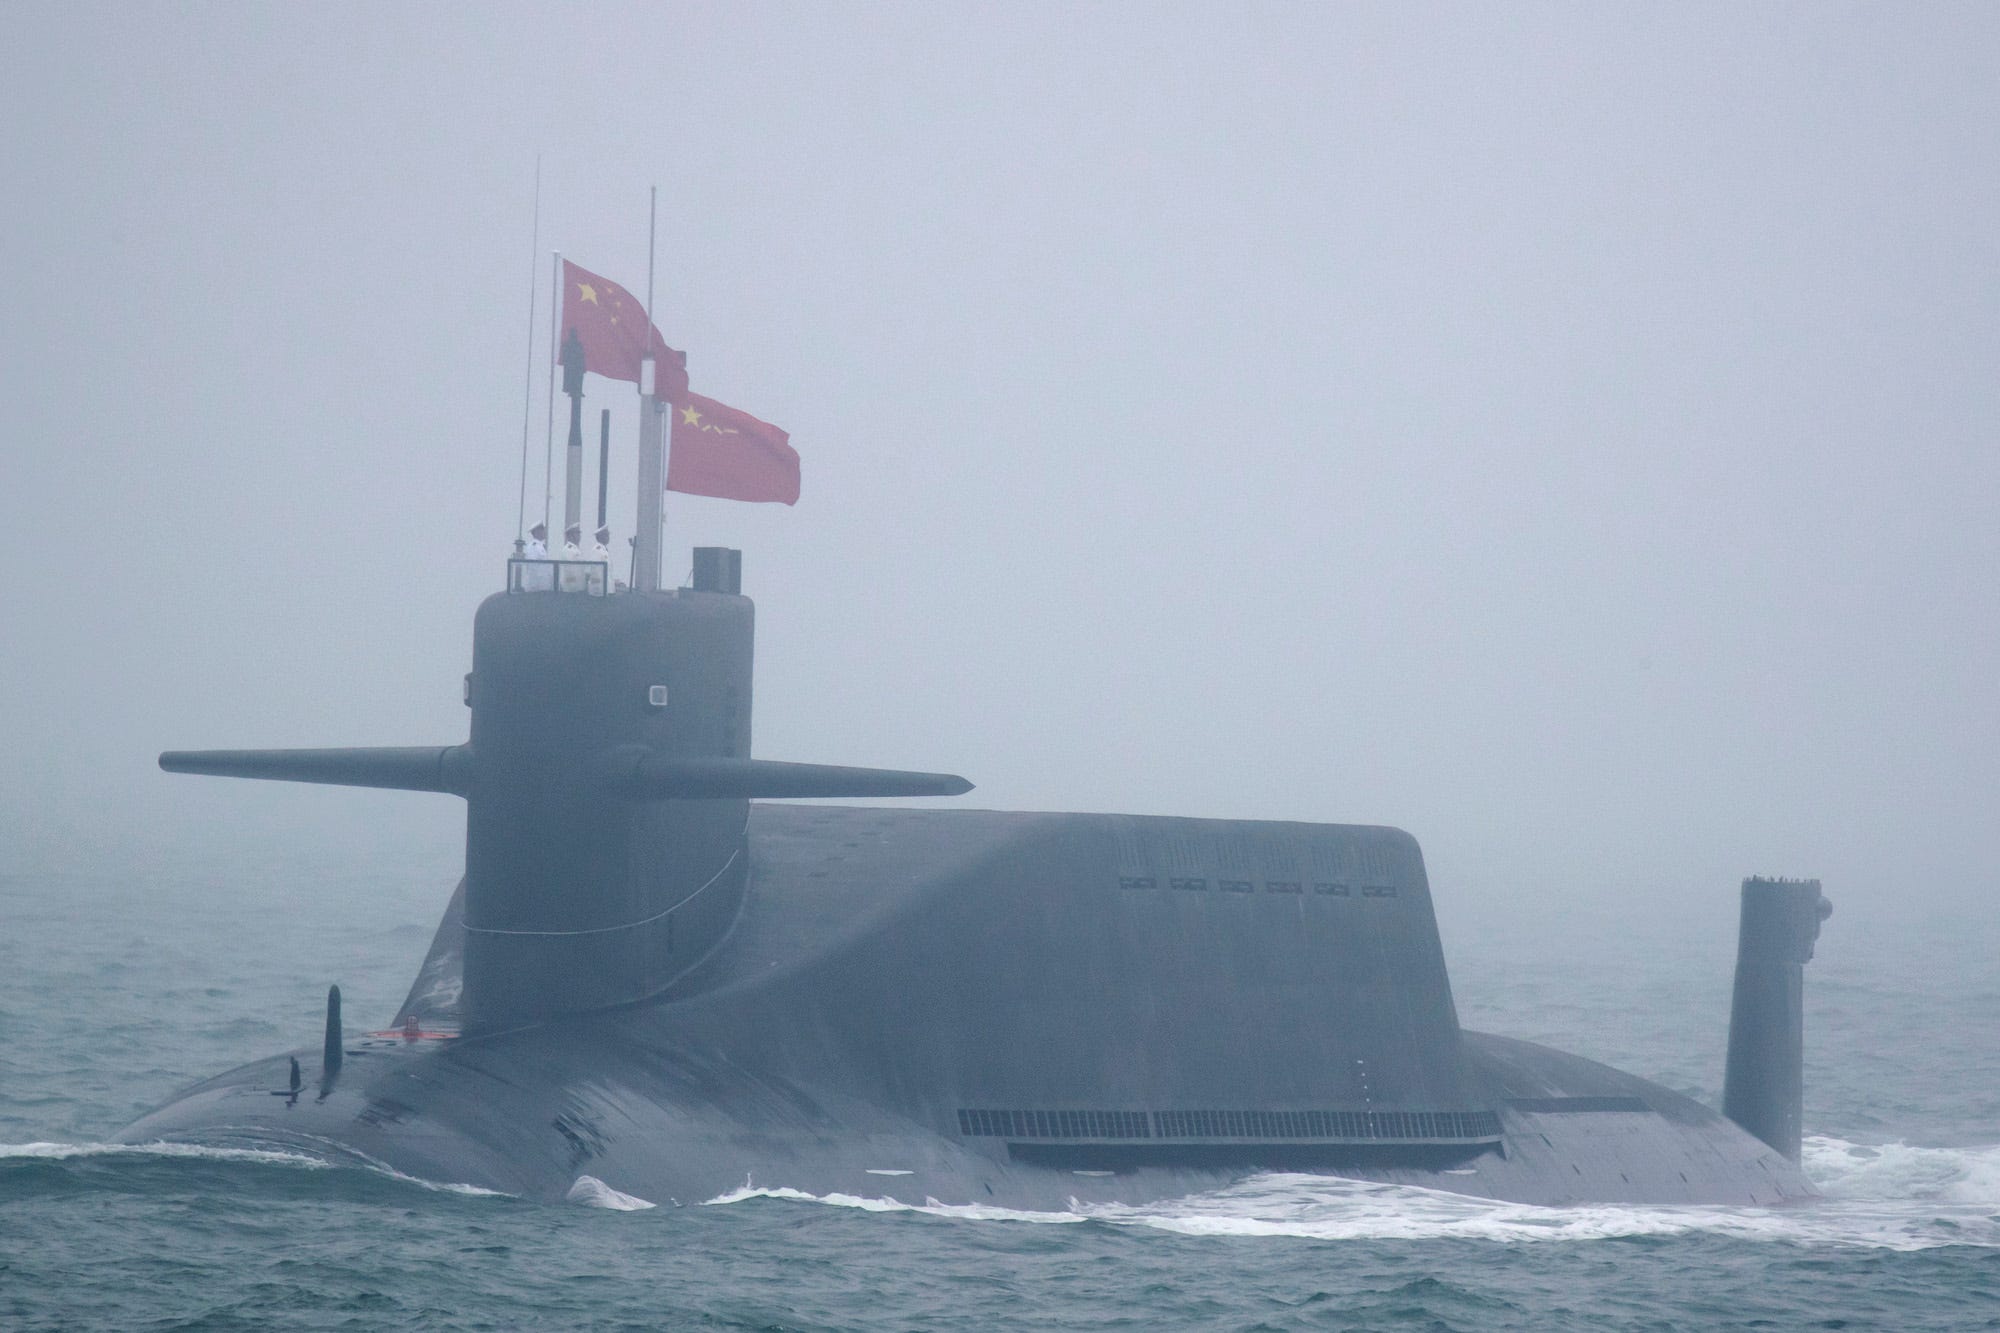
(342, 1156)
(202, 1152)
(594, 1193)
(382, 1168)
(977, 1212)
(1888, 1196)
(1891, 1172)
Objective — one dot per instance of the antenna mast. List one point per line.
(603, 465)
(528, 376)
(555, 331)
(652, 481)
(572, 368)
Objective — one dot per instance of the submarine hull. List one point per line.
(1015, 1009)
(627, 1104)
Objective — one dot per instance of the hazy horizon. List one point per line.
(1563, 432)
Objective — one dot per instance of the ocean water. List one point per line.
(119, 987)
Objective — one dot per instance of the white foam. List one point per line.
(444, 1186)
(1898, 1172)
(382, 1168)
(262, 1156)
(1889, 1196)
(61, 1151)
(1324, 1208)
(594, 1193)
(978, 1212)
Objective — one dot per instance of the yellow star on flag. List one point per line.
(586, 292)
(690, 417)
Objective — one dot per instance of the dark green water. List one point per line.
(116, 989)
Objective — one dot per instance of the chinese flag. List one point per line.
(615, 333)
(719, 451)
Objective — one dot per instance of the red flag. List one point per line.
(719, 451)
(614, 332)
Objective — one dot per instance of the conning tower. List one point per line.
(607, 782)
(579, 894)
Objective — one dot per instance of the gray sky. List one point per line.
(1563, 431)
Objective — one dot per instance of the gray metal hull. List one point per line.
(530, 1113)
(1017, 1009)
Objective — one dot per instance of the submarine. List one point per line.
(666, 971)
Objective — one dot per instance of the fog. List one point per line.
(1565, 432)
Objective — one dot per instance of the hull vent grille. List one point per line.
(1287, 1126)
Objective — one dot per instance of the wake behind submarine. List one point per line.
(654, 975)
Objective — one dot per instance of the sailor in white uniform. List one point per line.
(600, 549)
(571, 536)
(538, 544)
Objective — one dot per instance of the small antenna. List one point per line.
(652, 482)
(572, 368)
(528, 376)
(603, 464)
(660, 481)
(549, 442)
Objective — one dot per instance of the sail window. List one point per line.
(592, 577)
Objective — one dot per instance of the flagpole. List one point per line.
(652, 485)
(528, 375)
(603, 467)
(549, 441)
(660, 488)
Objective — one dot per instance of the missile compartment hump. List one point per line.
(1162, 989)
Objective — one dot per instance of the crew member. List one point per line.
(600, 546)
(538, 543)
(572, 535)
